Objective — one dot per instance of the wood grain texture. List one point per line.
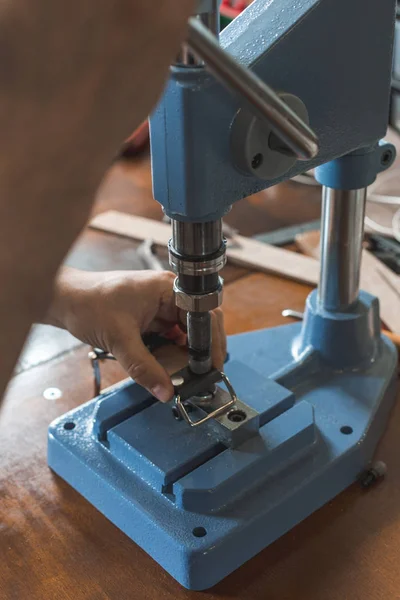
(56, 546)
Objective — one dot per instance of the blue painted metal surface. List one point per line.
(165, 484)
(338, 64)
(345, 340)
(323, 389)
(357, 169)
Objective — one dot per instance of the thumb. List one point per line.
(141, 365)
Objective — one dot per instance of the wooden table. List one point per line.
(56, 546)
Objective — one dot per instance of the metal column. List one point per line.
(342, 228)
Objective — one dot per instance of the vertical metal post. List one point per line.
(195, 252)
(195, 240)
(209, 19)
(342, 228)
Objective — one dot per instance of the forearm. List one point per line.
(35, 235)
(72, 298)
(77, 79)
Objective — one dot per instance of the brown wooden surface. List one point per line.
(56, 546)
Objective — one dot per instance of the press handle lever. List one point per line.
(261, 100)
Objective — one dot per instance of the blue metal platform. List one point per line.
(200, 508)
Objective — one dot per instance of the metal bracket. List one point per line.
(179, 403)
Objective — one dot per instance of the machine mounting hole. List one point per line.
(69, 425)
(176, 414)
(386, 157)
(346, 430)
(199, 532)
(237, 416)
(257, 160)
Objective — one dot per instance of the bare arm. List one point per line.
(76, 78)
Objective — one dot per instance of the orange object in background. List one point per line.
(137, 141)
(231, 9)
(394, 337)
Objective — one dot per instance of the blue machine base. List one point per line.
(201, 509)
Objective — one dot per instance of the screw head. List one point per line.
(177, 380)
(386, 157)
(237, 416)
(257, 160)
(176, 414)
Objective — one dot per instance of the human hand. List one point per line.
(113, 310)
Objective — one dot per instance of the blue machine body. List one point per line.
(335, 55)
(200, 508)
(322, 389)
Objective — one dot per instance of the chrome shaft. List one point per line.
(197, 253)
(342, 228)
(196, 239)
(210, 21)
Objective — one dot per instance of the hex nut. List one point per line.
(197, 302)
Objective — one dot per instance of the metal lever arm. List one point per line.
(261, 100)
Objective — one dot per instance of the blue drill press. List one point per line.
(243, 456)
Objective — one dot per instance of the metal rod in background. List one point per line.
(261, 100)
(211, 22)
(146, 253)
(210, 19)
(342, 229)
